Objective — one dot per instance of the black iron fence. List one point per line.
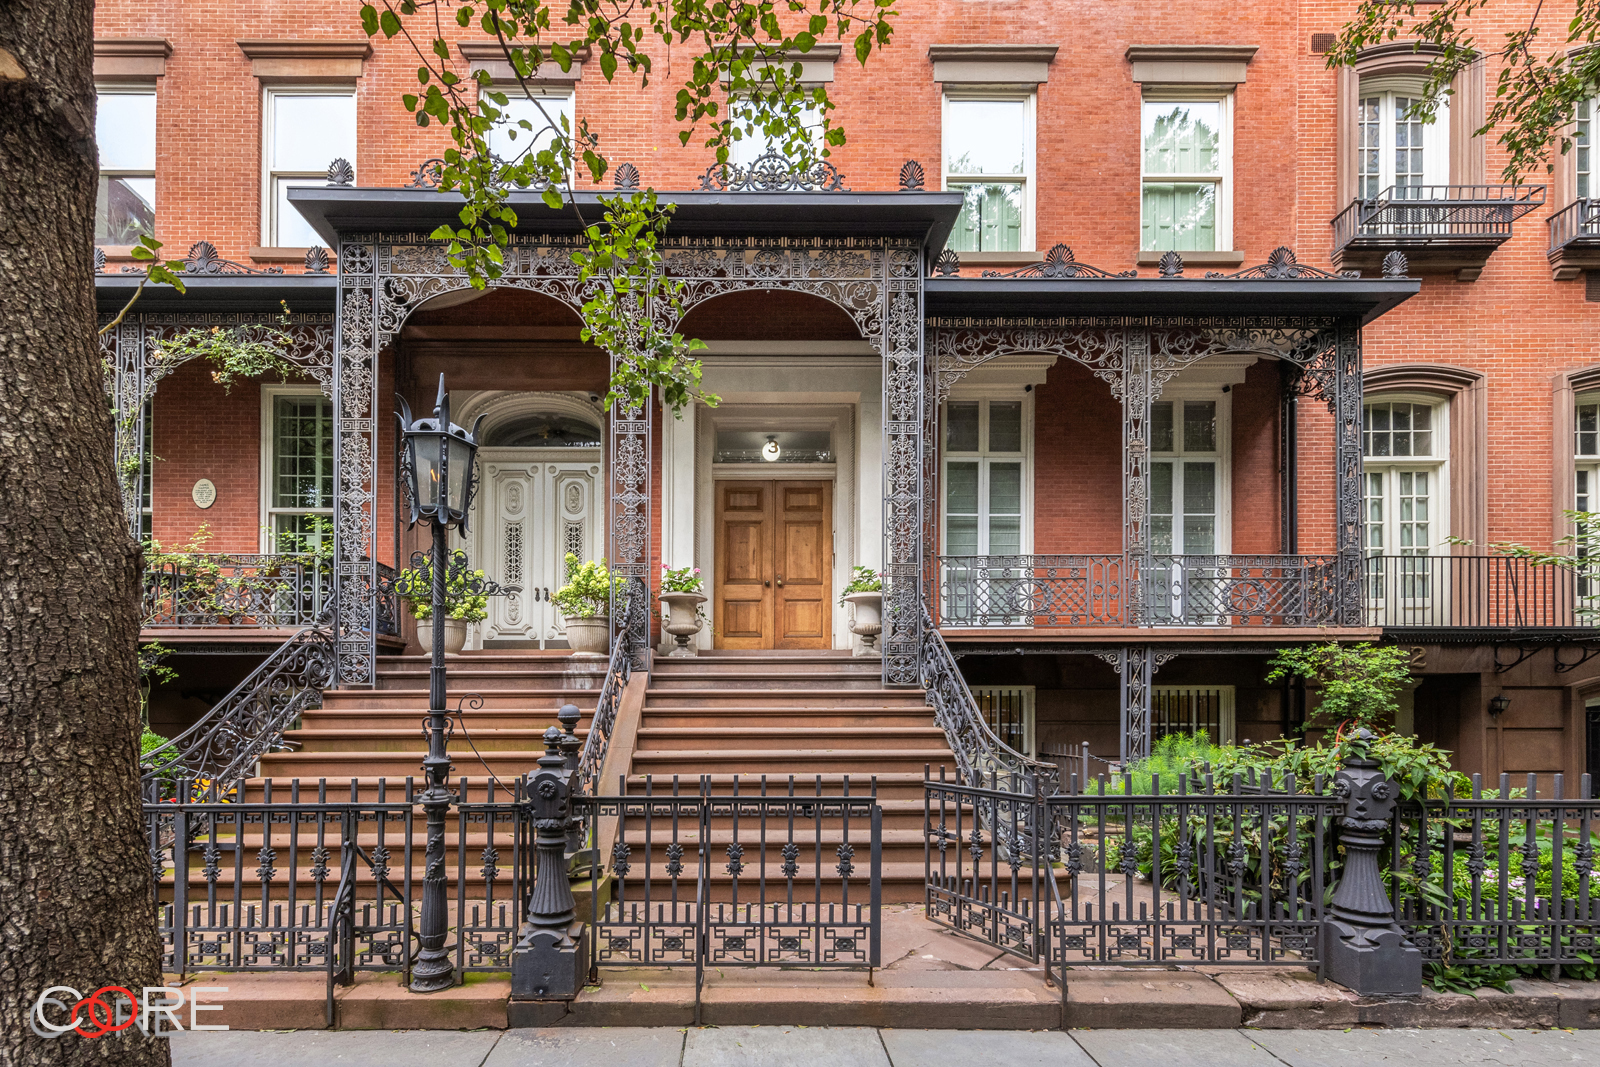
(250, 591)
(1422, 592)
(327, 877)
(1254, 870)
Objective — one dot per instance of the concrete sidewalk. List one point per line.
(783, 1046)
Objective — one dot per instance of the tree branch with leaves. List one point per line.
(743, 53)
(1548, 65)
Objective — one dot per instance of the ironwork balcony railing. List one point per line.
(1404, 592)
(1576, 224)
(251, 591)
(1476, 592)
(1408, 216)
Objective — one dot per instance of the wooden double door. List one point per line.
(774, 567)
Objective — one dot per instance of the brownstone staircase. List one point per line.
(736, 718)
(741, 717)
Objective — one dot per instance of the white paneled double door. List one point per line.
(534, 507)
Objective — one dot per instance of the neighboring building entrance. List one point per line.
(533, 511)
(774, 564)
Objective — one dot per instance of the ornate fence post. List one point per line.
(571, 750)
(1363, 946)
(549, 961)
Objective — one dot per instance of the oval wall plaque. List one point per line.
(204, 493)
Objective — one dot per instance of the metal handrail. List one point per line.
(976, 746)
(233, 589)
(220, 751)
(1476, 592)
(1579, 220)
(618, 671)
(1422, 214)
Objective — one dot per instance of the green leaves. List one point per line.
(741, 54)
(1360, 683)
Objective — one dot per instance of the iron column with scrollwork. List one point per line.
(549, 960)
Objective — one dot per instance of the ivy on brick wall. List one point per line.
(740, 52)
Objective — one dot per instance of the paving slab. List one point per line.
(379, 1001)
(1149, 998)
(999, 1048)
(1176, 1048)
(777, 1046)
(1433, 1048)
(615, 1046)
(636, 997)
(260, 1001)
(1483, 1008)
(1295, 1000)
(368, 1048)
(1578, 1002)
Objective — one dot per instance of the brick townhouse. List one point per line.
(1130, 341)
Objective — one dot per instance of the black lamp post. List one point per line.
(437, 467)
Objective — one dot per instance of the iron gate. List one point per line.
(772, 878)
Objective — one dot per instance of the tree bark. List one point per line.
(75, 880)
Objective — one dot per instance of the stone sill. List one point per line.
(1194, 259)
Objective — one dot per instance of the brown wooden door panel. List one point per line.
(744, 593)
(804, 565)
(774, 565)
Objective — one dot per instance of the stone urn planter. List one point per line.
(455, 635)
(683, 619)
(589, 635)
(868, 622)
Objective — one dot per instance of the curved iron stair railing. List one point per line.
(220, 751)
(982, 759)
(618, 671)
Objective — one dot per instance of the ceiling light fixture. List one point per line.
(770, 451)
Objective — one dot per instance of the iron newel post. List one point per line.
(1364, 948)
(437, 474)
(548, 963)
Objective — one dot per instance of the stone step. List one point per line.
(763, 680)
(667, 666)
(654, 717)
(470, 679)
(532, 718)
(798, 762)
(491, 659)
(505, 764)
(801, 735)
(819, 698)
(417, 698)
(368, 739)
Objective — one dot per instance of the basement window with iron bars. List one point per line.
(1190, 709)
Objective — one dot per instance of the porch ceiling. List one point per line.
(1364, 298)
(929, 216)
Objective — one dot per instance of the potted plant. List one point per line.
(865, 593)
(682, 591)
(585, 601)
(461, 604)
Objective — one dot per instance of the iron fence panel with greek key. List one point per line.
(773, 874)
(1503, 876)
(493, 871)
(236, 590)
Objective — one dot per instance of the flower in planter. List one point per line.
(459, 601)
(681, 580)
(863, 580)
(587, 594)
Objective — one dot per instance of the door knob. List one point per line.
(780, 581)
(768, 584)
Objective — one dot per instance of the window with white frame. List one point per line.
(1586, 469)
(989, 157)
(1186, 161)
(1188, 443)
(985, 477)
(1405, 452)
(1394, 147)
(509, 139)
(300, 474)
(125, 133)
(305, 130)
(1585, 184)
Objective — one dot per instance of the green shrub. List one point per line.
(587, 593)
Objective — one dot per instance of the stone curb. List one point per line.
(1096, 998)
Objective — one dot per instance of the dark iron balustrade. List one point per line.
(1406, 592)
(1411, 216)
(261, 591)
(1576, 224)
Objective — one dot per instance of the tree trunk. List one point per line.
(75, 880)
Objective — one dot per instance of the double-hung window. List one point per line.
(1586, 185)
(300, 478)
(1188, 439)
(755, 143)
(1186, 160)
(509, 140)
(1404, 497)
(305, 130)
(125, 131)
(985, 507)
(989, 158)
(1586, 470)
